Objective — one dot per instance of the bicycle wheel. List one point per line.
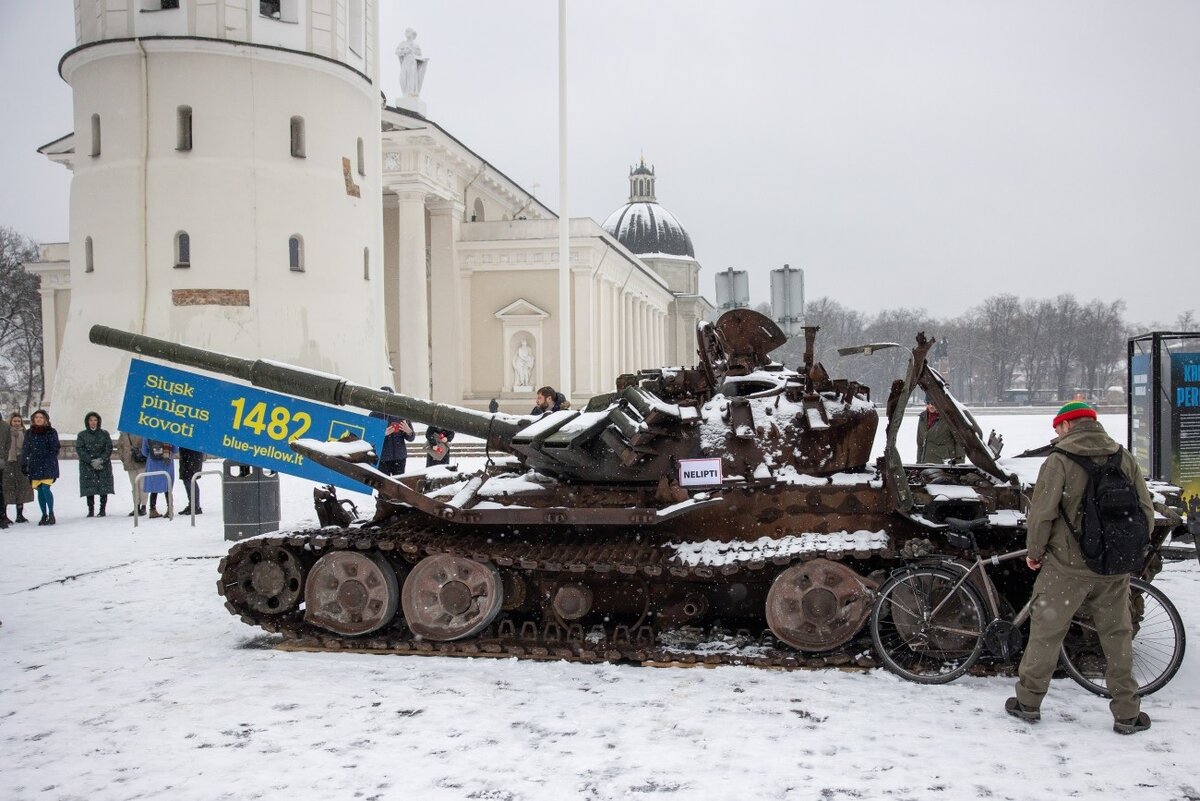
(924, 628)
(1158, 643)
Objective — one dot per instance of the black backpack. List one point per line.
(1113, 533)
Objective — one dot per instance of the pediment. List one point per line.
(521, 309)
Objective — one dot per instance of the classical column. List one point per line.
(629, 331)
(448, 337)
(583, 357)
(49, 344)
(643, 334)
(411, 302)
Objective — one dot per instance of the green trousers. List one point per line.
(1056, 598)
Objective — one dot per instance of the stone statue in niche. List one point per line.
(522, 364)
(412, 65)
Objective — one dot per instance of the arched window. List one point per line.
(362, 158)
(95, 135)
(183, 128)
(298, 137)
(89, 261)
(183, 249)
(296, 253)
(477, 210)
(366, 264)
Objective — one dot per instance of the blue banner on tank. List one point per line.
(238, 422)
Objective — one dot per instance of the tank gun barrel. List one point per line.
(497, 429)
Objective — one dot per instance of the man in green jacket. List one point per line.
(1065, 583)
(936, 443)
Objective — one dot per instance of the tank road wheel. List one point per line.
(265, 578)
(351, 593)
(450, 597)
(818, 605)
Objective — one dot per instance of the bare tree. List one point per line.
(999, 318)
(20, 322)
(1101, 344)
(1037, 317)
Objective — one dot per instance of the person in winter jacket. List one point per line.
(15, 484)
(160, 457)
(394, 455)
(936, 443)
(39, 462)
(94, 447)
(190, 463)
(129, 449)
(437, 446)
(549, 400)
(1065, 582)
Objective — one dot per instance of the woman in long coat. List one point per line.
(39, 461)
(17, 489)
(94, 447)
(159, 456)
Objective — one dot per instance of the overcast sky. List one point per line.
(918, 154)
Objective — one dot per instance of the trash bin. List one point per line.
(251, 500)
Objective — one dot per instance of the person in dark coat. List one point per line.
(548, 400)
(159, 457)
(437, 446)
(190, 463)
(493, 406)
(39, 461)
(17, 490)
(394, 455)
(94, 447)
(936, 442)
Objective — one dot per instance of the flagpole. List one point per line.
(564, 219)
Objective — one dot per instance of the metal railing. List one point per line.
(139, 484)
(193, 501)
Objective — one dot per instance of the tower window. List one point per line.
(183, 250)
(298, 137)
(95, 135)
(296, 253)
(183, 132)
(89, 261)
(169, 4)
(366, 264)
(282, 10)
(362, 159)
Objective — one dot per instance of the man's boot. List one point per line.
(91, 502)
(21, 518)
(103, 506)
(1132, 725)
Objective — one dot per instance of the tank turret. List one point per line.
(736, 405)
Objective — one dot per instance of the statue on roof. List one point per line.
(412, 65)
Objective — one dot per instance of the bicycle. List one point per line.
(933, 621)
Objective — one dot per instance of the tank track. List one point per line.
(547, 640)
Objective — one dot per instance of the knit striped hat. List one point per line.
(1073, 411)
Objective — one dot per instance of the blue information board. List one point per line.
(238, 422)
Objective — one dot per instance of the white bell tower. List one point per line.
(226, 189)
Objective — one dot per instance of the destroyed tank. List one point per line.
(583, 539)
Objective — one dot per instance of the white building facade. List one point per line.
(238, 184)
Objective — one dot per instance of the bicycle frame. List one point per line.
(991, 595)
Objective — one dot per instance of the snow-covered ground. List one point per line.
(122, 676)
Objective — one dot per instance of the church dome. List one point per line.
(643, 226)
